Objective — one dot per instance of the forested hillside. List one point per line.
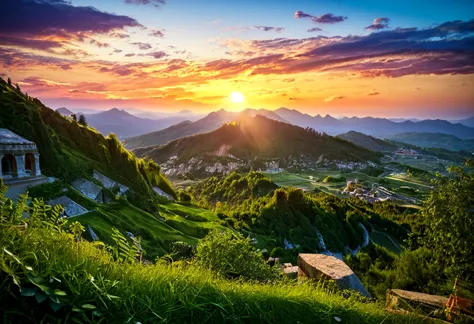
(256, 142)
(368, 142)
(435, 140)
(69, 149)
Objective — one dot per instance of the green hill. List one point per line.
(368, 142)
(69, 150)
(254, 142)
(435, 140)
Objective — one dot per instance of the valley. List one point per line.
(283, 189)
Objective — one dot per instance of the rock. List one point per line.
(320, 266)
(291, 272)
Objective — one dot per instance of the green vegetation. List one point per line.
(69, 149)
(288, 218)
(435, 140)
(47, 273)
(232, 255)
(368, 142)
(440, 247)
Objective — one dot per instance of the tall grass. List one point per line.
(94, 288)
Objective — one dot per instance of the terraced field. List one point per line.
(175, 223)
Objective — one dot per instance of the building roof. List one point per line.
(87, 188)
(8, 137)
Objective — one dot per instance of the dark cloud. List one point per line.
(49, 17)
(130, 55)
(142, 46)
(31, 21)
(373, 93)
(378, 24)
(29, 43)
(328, 18)
(119, 35)
(268, 28)
(99, 44)
(156, 55)
(314, 29)
(156, 3)
(116, 51)
(157, 33)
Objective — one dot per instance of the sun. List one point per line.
(237, 97)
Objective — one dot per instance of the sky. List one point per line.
(400, 58)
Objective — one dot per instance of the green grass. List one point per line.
(99, 288)
(156, 234)
(177, 222)
(384, 240)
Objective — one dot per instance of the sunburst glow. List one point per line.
(237, 97)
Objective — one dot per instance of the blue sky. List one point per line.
(406, 58)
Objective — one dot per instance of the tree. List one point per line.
(74, 117)
(448, 217)
(18, 88)
(82, 120)
(9, 82)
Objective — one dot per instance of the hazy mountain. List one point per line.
(466, 122)
(211, 122)
(253, 143)
(368, 142)
(124, 124)
(437, 140)
(64, 111)
(378, 127)
(401, 120)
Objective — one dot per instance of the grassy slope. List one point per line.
(173, 294)
(69, 150)
(178, 223)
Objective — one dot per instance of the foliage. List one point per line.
(232, 255)
(82, 121)
(448, 216)
(46, 275)
(122, 251)
(183, 196)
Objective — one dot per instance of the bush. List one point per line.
(232, 255)
(183, 196)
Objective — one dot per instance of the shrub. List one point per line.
(232, 255)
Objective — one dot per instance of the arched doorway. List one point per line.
(9, 167)
(30, 164)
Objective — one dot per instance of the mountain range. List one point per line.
(124, 124)
(254, 143)
(211, 122)
(376, 127)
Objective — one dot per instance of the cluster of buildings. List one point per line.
(406, 152)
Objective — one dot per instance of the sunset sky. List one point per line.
(400, 58)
